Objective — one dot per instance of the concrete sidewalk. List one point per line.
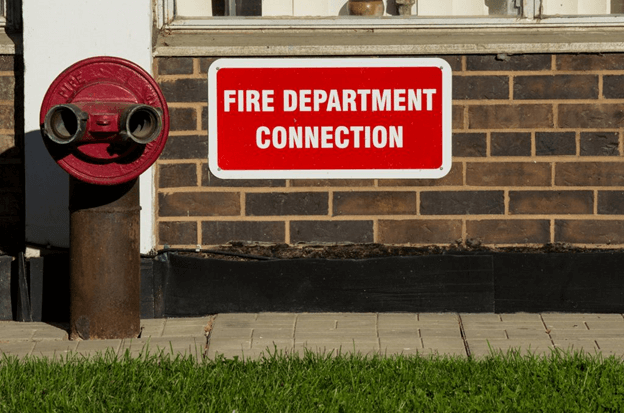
(249, 335)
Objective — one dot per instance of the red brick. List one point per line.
(186, 147)
(7, 88)
(555, 143)
(481, 87)
(510, 62)
(458, 117)
(600, 116)
(508, 174)
(208, 179)
(332, 182)
(7, 63)
(469, 144)
(175, 65)
(420, 231)
(183, 119)
(11, 176)
(7, 117)
(177, 233)
(177, 175)
(551, 202)
(589, 174)
(331, 231)
(185, 90)
(293, 203)
(600, 143)
(611, 202)
(204, 64)
(556, 87)
(508, 231)
(11, 203)
(374, 203)
(193, 204)
(221, 232)
(453, 178)
(588, 231)
(510, 116)
(612, 86)
(462, 202)
(585, 62)
(510, 144)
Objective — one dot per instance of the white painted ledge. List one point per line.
(354, 42)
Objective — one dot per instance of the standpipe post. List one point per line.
(105, 267)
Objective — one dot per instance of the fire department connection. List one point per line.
(319, 100)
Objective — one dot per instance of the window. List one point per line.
(334, 13)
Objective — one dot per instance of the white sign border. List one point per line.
(447, 107)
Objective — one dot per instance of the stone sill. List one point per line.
(7, 42)
(357, 42)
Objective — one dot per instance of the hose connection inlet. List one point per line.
(141, 123)
(65, 124)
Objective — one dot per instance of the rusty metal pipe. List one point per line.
(105, 262)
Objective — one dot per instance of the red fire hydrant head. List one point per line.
(104, 120)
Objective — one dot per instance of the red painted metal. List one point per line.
(105, 88)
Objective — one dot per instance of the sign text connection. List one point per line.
(324, 118)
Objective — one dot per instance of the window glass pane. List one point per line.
(331, 8)
(582, 7)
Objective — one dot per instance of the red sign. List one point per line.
(329, 118)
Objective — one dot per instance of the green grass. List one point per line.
(572, 382)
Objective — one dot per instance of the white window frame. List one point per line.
(166, 19)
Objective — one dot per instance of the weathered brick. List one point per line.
(7, 117)
(454, 177)
(587, 231)
(374, 203)
(510, 144)
(183, 119)
(613, 86)
(221, 232)
(331, 231)
(510, 116)
(175, 65)
(420, 231)
(597, 116)
(10, 147)
(469, 144)
(458, 117)
(584, 62)
(508, 62)
(7, 88)
(208, 179)
(555, 143)
(600, 144)
(177, 175)
(481, 87)
(6, 63)
(611, 202)
(204, 118)
(508, 174)
(293, 203)
(194, 204)
(462, 202)
(186, 147)
(589, 174)
(320, 183)
(556, 87)
(509, 231)
(185, 90)
(177, 233)
(551, 202)
(204, 64)
(11, 203)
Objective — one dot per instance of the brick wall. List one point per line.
(537, 158)
(11, 159)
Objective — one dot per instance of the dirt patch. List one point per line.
(239, 251)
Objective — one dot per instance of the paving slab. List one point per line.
(20, 349)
